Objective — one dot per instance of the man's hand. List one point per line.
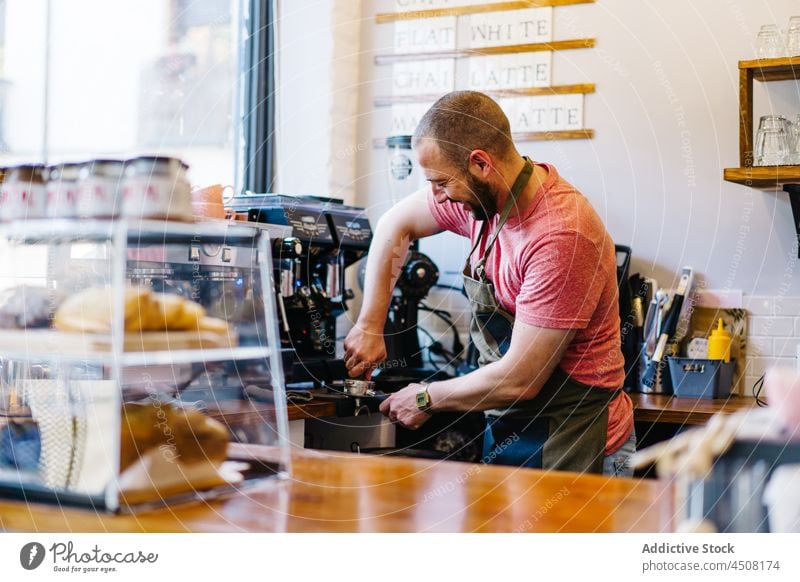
(401, 408)
(364, 349)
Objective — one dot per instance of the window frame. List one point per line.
(258, 117)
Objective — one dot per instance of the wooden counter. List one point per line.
(247, 412)
(341, 492)
(670, 409)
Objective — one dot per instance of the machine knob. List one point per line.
(287, 248)
(419, 274)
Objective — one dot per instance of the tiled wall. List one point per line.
(454, 303)
(773, 334)
(773, 329)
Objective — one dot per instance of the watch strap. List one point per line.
(424, 398)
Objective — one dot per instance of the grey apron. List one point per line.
(564, 427)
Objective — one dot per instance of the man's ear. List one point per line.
(480, 163)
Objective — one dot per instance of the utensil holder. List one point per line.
(662, 384)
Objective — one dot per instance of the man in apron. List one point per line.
(541, 282)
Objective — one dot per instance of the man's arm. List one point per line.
(519, 375)
(408, 220)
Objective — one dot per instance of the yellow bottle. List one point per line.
(719, 344)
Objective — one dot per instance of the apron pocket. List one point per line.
(516, 442)
(497, 328)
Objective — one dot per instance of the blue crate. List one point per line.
(701, 378)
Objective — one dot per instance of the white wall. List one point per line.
(666, 121)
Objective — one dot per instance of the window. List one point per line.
(91, 78)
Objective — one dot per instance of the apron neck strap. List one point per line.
(516, 189)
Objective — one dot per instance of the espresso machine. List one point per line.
(326, 237)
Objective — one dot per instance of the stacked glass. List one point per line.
(771, 44)
(772, 141)
(793, 157)
(793, 37)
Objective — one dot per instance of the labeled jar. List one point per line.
(99, 189)
(156, 187)
(23, 193)
(62, 190)
(404, 176)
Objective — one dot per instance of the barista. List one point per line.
(541, 280)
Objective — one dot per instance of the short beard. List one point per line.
(485, 205)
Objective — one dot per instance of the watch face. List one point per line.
(423, 399)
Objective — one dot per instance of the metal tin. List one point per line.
(99, 189)
(23, 194)
(156, 187)
(62, 190)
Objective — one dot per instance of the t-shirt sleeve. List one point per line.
(563, 279)
(450, 215)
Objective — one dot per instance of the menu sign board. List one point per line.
(544, 113)
(406, 116)
(405, 5)
(425, 35)
(511, 27)
(515, 71)
(504, 49)
(435, 77)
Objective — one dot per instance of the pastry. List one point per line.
(90, 312)
(189, 317)
(213, 324)
(185, 435)
(27, 307)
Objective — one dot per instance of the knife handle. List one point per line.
(661, 348)
(671, 322)
(649, 378)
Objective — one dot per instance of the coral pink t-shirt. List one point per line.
(554, 266)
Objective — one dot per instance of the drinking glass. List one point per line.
(770, 44)
(772, 148)
(768, 122)
(793, 140)
(793, 37)
(794, 131)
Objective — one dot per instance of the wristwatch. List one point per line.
(424, 398)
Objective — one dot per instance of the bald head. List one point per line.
(463, 121)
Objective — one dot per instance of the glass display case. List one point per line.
(132, 354)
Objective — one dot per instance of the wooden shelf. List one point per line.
(477, 9)
(780, 69)
(763, 176)
(764, 70)
(663, 408)
(556, 45)
(553, 135)
(580, 89)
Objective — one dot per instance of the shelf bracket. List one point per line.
(793, 190)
